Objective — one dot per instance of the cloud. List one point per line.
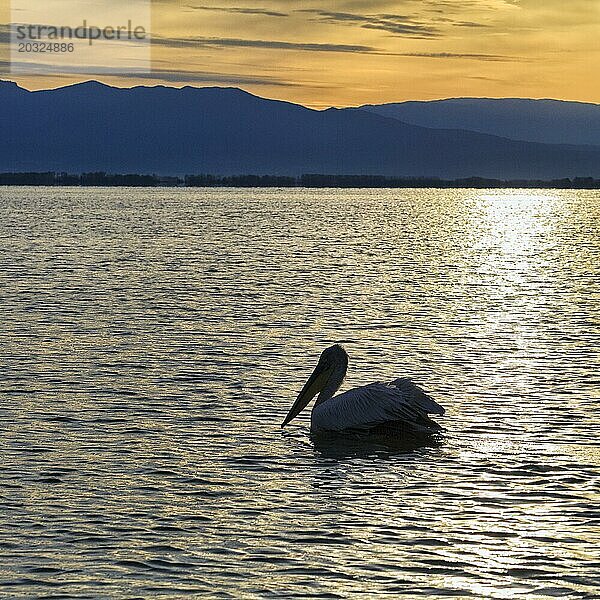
(485, 57)
(483, 78)
(311, 47)
(405, 25)
(468, 24)
(400, 25)
(215, 42)
(237, 10)
(176, 76)
(34, 70)
(455, 23)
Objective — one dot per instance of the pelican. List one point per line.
(397, 408)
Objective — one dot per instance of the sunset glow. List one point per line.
(353, 52)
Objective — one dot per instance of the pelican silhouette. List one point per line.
(398, 408)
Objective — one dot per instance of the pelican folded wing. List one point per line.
(417, 396)
(375, 404)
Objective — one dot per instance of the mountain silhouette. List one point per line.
(91, 127)
(545, 121)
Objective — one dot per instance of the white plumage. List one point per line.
(397, 408)
(369, 406)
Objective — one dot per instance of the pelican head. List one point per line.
(325, 380)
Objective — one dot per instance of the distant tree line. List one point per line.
(84, 179)
(100, 178)
(240, 181)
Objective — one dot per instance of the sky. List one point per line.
(354, 52)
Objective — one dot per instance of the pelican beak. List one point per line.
(316, 382)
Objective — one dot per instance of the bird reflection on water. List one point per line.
(360, 445)
(356, 444)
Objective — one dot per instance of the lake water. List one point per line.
(154, 339)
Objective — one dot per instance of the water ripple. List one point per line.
(154, 339)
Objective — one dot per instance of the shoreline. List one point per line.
(102, 179)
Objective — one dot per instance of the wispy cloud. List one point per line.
(215, 42)
(405, 25)
(485, 57)
(239, 10)
(42, 70)
(400, 25)
(469, 24)
(187, 76)
(458, 23)
(198, 42)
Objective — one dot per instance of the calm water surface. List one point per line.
(154, 339)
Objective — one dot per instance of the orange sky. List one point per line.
(354, 52)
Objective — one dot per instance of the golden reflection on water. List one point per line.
(154, 339)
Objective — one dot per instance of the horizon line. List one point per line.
(241, 89)
(303, 181)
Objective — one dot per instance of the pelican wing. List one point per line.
(369, 406)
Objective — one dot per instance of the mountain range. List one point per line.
(95, 127)
(545, 121)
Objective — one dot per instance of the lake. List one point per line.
(154, 339)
